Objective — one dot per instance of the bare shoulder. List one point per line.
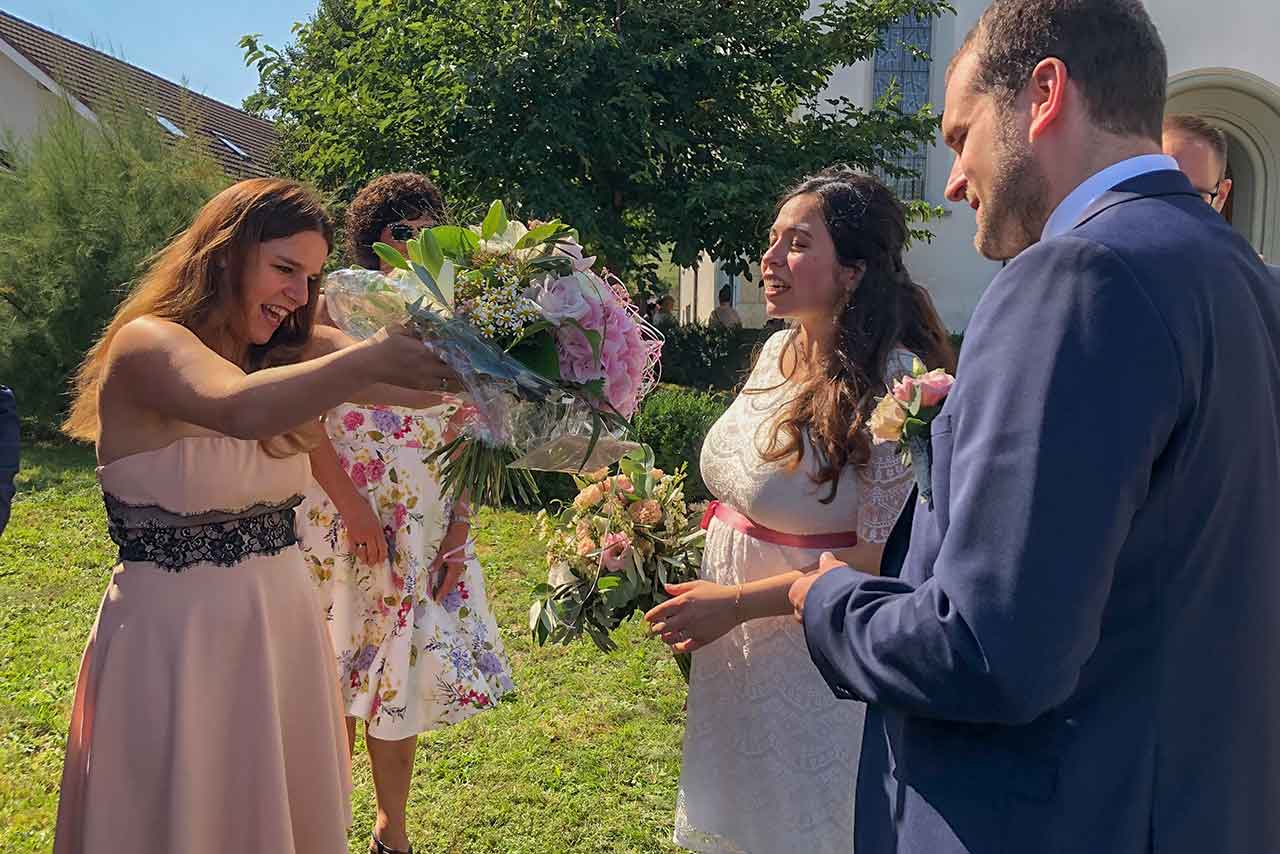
(148, 333)
(150, 354)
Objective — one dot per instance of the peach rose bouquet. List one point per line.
(611, 550)
(904, 417)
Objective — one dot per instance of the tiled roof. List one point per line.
(101, 82)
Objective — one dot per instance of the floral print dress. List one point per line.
(406, 664)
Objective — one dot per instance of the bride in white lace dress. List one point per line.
(770, 756)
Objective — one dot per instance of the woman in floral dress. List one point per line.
(416, 643)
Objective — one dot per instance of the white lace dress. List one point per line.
(770, 755)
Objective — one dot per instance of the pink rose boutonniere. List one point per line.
(904, 416)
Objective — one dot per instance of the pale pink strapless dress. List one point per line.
(206, 717)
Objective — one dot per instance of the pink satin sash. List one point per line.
(739, 522)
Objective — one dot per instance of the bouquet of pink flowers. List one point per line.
(904, 416)
(611, 551)
(554, 355)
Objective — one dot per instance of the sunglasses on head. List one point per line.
(402, 231)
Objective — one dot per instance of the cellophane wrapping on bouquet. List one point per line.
(554, 357)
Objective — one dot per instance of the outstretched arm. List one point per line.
(160, 367)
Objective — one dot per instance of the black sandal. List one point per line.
(376, 847)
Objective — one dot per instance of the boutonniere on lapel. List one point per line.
(904, 416)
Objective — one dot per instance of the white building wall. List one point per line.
(23, 102)
(1240, 34)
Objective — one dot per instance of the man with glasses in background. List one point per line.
(1201, 152)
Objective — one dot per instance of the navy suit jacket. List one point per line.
(1081, 652)
(8, 452)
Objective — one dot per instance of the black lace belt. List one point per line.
(175, 541)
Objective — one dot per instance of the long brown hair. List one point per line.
(197, 277)
(868, 225)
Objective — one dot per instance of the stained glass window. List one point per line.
(897, 64)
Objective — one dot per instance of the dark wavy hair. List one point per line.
(868, 225)
(383, 201)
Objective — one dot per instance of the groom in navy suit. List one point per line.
(1080, 651)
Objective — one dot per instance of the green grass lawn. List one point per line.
(583, 758)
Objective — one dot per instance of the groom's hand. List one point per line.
(800, 589)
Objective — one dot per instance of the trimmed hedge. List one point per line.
(708, 357)
(674, 421)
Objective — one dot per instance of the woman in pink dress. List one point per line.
(205, 717)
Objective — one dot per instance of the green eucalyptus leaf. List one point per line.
(540, 235)
(917, 399)
(432, 256)
(538, 353)
(429, 281)
(596, 427)
(415, 250)
(495, 222)
(531, 330)
(391, 256)
(457, 243)
(552, 264)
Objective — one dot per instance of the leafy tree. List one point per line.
(663, 123)
(80, 210)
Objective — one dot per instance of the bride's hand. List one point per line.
(699, 613)
(403, 360)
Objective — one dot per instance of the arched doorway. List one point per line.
(1247, 107)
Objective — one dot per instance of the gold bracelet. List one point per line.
(737, 602)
